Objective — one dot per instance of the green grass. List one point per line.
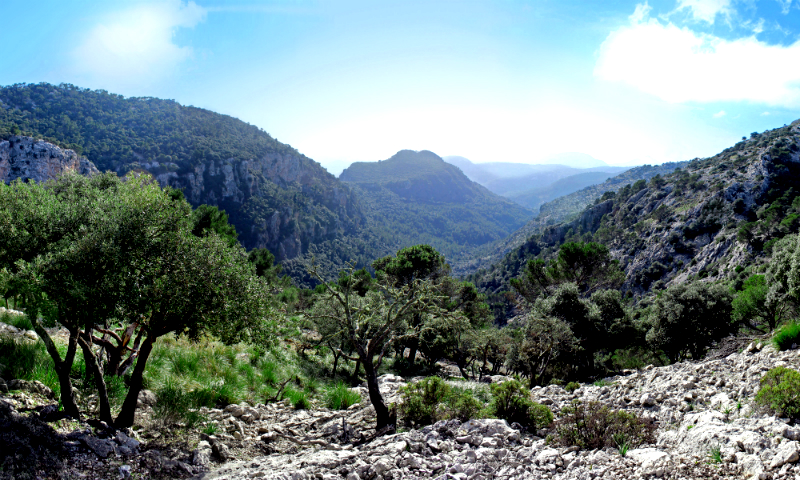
(18, 321)
(28, 361)
(297, 398)
(786, 335)
(340, 397)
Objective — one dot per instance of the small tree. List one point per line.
(588, 265)
(374, 322)
(687, 318)
(751, 308)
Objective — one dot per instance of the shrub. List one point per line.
(423, 401)
(780, 392)
(786, 335)
(339, 397)
(512, 402)
(430, 400)
(572, 386)
(593, 425)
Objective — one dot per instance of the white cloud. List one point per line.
(707, 10)
(136, 45)
(679, 65)
(765, 114)
(719, 114)
(785, 6)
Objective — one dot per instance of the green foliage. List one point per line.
(572, 386)
(174, 405)
(593, 425)
(297, 398)
(715, 454)
(686, 318)
(101, 252)
(780, 392)
(787, 335)
(431, 399)
(340, 397)
(541, 349)
(208, 218)
(751, 307)
(587, 265)
(27, 361)
(512, 402)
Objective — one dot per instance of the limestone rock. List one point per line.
(36, 160)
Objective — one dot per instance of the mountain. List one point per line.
(416, 197)
(275, 196)
(712, 218)
(575, 160)
(536, 196)
(521, 180)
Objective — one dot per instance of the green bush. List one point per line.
(780, 392)
(572, 386)
(340, 397)
(786, 335)
(593, 425)
(512, 402)
(430, 400)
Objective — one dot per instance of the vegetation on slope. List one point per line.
(275, 196)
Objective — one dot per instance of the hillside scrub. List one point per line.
(115, 263)
(686, 319)
(780, 392)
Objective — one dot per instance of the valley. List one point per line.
(187, 297)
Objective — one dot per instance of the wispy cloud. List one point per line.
(681, 65)
(765, 114)
(136, 45)
(786, 5)
(719, 114)
(707, 10)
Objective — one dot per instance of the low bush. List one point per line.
(572, 386)
(786, 335)
(512, 402)
(593, 425)
(340, 397)
(430, 400)
(780, 392)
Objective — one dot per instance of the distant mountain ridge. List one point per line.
(525, 183)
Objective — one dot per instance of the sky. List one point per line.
(626, 82)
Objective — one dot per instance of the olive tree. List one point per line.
(115, 262)
(374, 322)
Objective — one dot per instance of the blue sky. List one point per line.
(624, 81)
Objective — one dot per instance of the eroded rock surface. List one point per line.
(38, 161)
(699, 409)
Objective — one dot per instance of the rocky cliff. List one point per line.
(281, 201)
(708, 220)
(36, 160)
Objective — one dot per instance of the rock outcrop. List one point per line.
(38, 161)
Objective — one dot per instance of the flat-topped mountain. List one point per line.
(420, 176)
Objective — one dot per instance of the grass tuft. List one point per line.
(340, 397)
(786, 335)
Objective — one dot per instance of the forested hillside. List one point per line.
(416, 197)
(275, 196)
(710, 219)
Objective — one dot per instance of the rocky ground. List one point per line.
(699, 408)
